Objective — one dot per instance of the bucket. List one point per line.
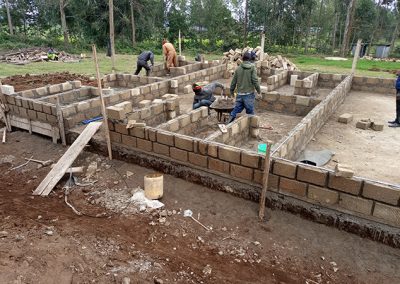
(153, 185)
(262, 148)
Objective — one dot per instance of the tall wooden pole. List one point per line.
(111, 20)
(356, 56)
(103, 106)
(261, 212)
(180, 44)
(9, 18)
(262, 45)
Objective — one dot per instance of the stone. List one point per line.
(303, 101)
(117, 113)
(342, 170)
(293, 79)
(345, 118)
(7, 89)
(187, 89)
(376, 126)
(363, 124)
(284, 168)
(144, 103)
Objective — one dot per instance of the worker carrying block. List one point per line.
(169, 52)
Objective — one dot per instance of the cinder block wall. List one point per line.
(278, 80)
(330, 80)
(290, 104)
(306, 86)
(375, 85)
(128, 80)
(49, 90)
(295, 142)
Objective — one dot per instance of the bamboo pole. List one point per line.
(262, 46)
(103, 107)
(356, 56)
(261, 212)
(111, 20)
(180, 44)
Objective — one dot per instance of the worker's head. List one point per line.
(164, 41)
(246, 56)
(196, 88)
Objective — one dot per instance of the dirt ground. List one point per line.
(28, 82)
(372, 154)
(41, 239)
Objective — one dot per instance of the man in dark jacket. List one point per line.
(204, 96)
(396, 122)
(142, 62)
(244, 81)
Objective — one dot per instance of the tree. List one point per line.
(347, 29)
(63, 4)
(10, 25)
(133, 24)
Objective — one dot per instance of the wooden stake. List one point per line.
(356, 56)
(261, 211)
(4, 135)
(262, 46)
(111, 20)
(180, 45)
(103, 107)
(60, 119)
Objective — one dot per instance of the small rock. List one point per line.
(221, 252)
(207, 270)
(49, 232)
(3, 234)
(174, 212)
(158, 281)
(335, 269)
(256, 243)
(169, 213)
(128, 174)
(224, 229)
(34, 177)
(116, 182)
(333, 263)
(39, 217)
(322, 257)
(162, 220)
(126, 280)
(19, 238)
(163, 213)
(200, 239)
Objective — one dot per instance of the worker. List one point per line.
(204, 96)
(142, 60)
(253, 57)
(244, 82)
(169, 54)
(396, 122)
(52, 55)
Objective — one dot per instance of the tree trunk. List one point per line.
(133, 25)
(246, 6)
(334, 32)
(10, 26)
(347, 30)
(320, 25)
(111, 19)
(394, 37)
(63, 4)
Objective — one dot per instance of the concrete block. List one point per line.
(255, 121)
(254, 132)
(145, 113)
(32, 114)
(171, 114)
(352, 186)
(307, 83)
(165, 138)
(342, 170)
(178, 154)
(293, 80)
(184, 143)
(249, 159)
(229, 154)
(82, 106)
(41, 116)
(312, 175)
(138, 132)
(129, 141)
(242, 172)
(218, 165)
(303, 101)
(204, 111)
(115, 137)
(121, 128)
(7, 89)
(37, 106)
(345, 118)
(212, 150)
(133, 115)
(323, 195)
(144, 145)
(283, 168)
(381, 192)
(363, 124)
(173, 125)
(198, 160)
(390, 214)
(298, 84)
(355, 204)
(161, 149)
(174, 83)
(292, 186)
(195, 115)
(54, 89)
(377, 126)
(144, 103)
(187, 89)
(116, 113)
(171, 104)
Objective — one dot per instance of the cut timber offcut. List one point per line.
(54, 176)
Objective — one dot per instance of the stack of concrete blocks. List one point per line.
(330, 80)
(291, 146)
(307, 86)
(289, 104)
(188, 124)
(186, 69)
(376, 85)
(128, 80)
(367, 123)
(238, 132)
(278, 80)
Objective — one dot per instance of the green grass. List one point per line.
(364, 67)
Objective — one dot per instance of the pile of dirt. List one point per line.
(35, 54)
(28, 82)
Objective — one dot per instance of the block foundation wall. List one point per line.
(376, 85)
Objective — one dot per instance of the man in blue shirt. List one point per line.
(396, 122)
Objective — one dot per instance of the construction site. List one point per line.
(72, 174)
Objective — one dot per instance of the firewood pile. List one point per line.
(35, 54)
(234, 58)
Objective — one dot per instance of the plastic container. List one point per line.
(153, 186)
(262, 148)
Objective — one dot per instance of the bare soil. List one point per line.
(372, 154)
(28, 82)
(41, 239)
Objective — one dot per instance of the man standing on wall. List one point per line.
(142, 62)
(244, 81)
(396, 122)
(169, 52)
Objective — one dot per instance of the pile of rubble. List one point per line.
(381, 59)
(35, 54)
(234, 58)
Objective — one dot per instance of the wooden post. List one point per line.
(103, 107)
(262, 46)
(180, 44)
(111, 20)
(261, 211)
(356, 56)
(60, 119)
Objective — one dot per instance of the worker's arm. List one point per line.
(233, 84)
(254, 79)
(152, 58)
(165, 51)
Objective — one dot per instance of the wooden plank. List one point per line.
(54, 176)
(34, 128)
(60, 119)
(267, 163)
